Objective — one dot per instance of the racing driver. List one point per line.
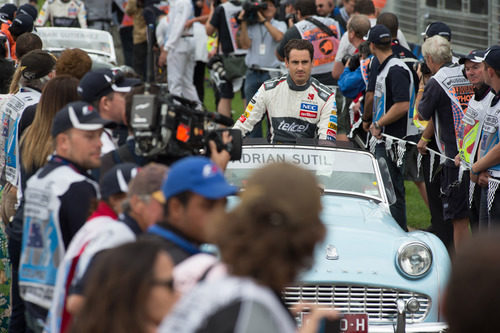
(63, 13)
(297, 105)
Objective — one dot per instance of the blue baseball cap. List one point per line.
(199, 175)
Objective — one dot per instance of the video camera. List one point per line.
(168, 127)
(251, 9)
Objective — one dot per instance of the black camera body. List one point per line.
(217, 65)
(424, 69)
(354, 61)
(168, 127)
(251, 9)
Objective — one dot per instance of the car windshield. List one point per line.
(88, 39)
(337, 170)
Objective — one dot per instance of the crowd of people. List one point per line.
(79, 203)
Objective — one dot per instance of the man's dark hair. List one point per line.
(298, 44)
(365, 7)
(390, 20)
(26, 42)
(306, 7)
(183, 198)
(385, 46)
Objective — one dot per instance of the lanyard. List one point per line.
(176, 239)
(65, 162)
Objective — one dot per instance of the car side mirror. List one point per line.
(386, 178)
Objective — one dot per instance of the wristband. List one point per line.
(366, 120)
(421, 90)
(425, 139)
(376, 125)
(474, 173)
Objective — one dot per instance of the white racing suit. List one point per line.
(63, 14)
(293, 111)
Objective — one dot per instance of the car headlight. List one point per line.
(414, 259)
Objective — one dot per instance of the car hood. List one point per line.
(366, 239)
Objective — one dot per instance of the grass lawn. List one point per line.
(416, 211)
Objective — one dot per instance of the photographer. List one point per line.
(441, 101)
(352, 80)
(260, 38)
(322, 32)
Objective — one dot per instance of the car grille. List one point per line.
(378, 303)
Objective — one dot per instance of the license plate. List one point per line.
(354, 323)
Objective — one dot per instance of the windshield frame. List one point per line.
(381, 186)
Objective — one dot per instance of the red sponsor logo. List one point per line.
(243, 118)
(310, 96)
(331, 132)
(306, 114)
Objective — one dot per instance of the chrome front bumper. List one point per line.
(410, 328)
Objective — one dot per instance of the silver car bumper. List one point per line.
(410, 328)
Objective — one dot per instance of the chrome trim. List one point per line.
(378, 303)
(411, 328)
(400, 269)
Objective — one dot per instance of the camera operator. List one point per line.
(297, 105)
(260, 39)
(221, 20)
(128, 152)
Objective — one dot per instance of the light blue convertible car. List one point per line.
(380, 277)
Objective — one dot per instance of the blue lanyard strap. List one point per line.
(176, 239)
(63, 161)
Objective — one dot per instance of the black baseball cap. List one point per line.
(21, 24)
(7, 11)
(28, 9)
(378, 34)
(37, 64)
(98, 83)
(79, 115)
(116, 179)
(476, 56)
(437, 28)
(492, 57)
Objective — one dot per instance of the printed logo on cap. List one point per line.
(209, 170)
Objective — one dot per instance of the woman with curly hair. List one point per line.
(265, 242)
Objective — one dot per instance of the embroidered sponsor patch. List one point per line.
(308, 107)
(333, 119)
(249, 107)
(306, 114)
(331, 132)
(243, 118)
(332, 126)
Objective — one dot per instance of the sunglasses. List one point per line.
(169, 283)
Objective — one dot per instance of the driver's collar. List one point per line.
(295, 87)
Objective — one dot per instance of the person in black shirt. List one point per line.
(393, 91)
